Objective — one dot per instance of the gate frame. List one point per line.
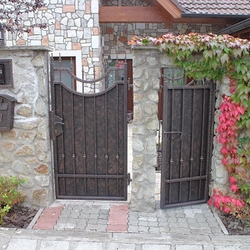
(56, 120)
(164, 164)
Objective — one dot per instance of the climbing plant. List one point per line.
(214, 57)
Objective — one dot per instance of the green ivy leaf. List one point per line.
(224, 58)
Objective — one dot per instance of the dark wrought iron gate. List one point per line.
(186, 139)
(89, 133)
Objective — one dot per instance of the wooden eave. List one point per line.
(132, 14)
(169, 7)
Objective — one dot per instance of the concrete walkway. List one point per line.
(97, 225)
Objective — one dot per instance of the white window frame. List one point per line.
(77, 54)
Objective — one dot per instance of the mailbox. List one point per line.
(6, 73)
(7, 104)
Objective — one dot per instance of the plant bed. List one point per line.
(19, 216)
(234, 226)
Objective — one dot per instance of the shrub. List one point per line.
(9, 195)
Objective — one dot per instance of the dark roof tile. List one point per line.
(215, 7)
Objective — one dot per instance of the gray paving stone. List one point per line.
(59, 226)
(143, 223)
(189, 247)
(164, 229)
(24, 244)
(208, 247)
(84, 216)
(65, 213)
(154, 230)
(154, 247)
(75, 214)
(86, 245)
(228, 248)
(143, 229)
(133, 229)
(93, 221)
(120, 246)
(153, 224)
(55, 245)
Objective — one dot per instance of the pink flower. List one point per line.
(227, 199)
(224, 161)
(232, 179)
(227, 210)
(224, 150)
(234, 187)
(210, 202)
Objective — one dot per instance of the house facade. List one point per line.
(91, 30)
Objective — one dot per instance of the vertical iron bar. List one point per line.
(72, 71)
(84, 147)
(117, 136)
(60, 67)
(73, 141)
(62, 136)
(202, 136)
(210, 134)
(171, 148)
(182, 127)
(106, 142)
(95, 147)
(191, 148)
(94, 79)
(125, 127)
(171, 140)
(82, 79)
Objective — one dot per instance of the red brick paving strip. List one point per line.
(118, 218)
(48, 218)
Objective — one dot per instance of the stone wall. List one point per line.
(72, 25)
(117, 35)
(219, 174)
(25, 150)
(147, 64)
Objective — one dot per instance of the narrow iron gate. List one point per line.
(89, 133)
(186, 139)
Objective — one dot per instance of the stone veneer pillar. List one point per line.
(25, 150)
(147, 62)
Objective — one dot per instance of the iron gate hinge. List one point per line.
(130, 85)
(128, 179)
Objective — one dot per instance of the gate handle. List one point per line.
(59, 123)
(173, 132)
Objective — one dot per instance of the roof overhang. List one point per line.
(164, 11)
(238, 28)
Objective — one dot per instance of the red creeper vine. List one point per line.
(227, 129)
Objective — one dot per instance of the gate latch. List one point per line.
(56, 125)
(128, 179)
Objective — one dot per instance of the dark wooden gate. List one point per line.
(186, 139)
(89, 133)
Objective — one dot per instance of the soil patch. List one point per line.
(234, 225)
(19, 217)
